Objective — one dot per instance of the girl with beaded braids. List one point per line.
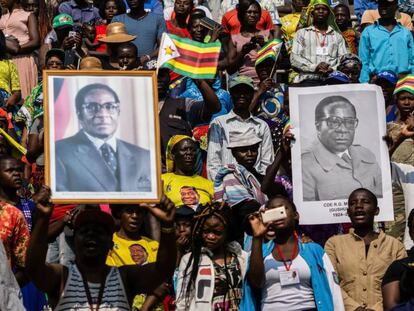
(210, 277)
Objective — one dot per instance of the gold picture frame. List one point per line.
(73, 169)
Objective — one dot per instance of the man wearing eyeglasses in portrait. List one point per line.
(334, 166)
(94, 160)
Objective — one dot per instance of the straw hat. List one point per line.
(116, 33)
(90, 63)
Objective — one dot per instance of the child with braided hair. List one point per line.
(211, 276)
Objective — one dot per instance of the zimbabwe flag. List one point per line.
(270, 50)
(189, 58)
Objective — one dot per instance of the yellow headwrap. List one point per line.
(171, 143)
(307, 20)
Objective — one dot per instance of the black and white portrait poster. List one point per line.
(339, 147)
(102, 137)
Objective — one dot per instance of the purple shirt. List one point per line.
(80, 15)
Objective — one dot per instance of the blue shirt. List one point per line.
(80, 15)
(148, 30)
(153, 6)
(192, 92)
(406, 6)
(381, 50)
(361, 5)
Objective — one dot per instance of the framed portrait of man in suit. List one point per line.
(338, 148)
(102, 136)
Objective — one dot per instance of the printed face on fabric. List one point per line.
(138, 254)
(189, 196)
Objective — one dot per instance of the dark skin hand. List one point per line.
(136, 279)
(406, 132)
(284, 9)
(264, 86)
(14, 99)
(12, 45)
(323, 69)
(90, 45)
(260, 40)
(234, 58)
(276, 32)
(56, 227)
(216, 33)
(70, 42)
(259, 229)
(157, 297)
(281, 157)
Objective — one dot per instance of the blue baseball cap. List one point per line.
(389, 76)
(337, 77)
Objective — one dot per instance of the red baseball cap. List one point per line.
(94, 217)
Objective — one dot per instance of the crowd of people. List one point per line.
(226, 160)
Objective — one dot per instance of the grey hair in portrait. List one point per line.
(331, 102)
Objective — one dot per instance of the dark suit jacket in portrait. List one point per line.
(81, 168)
(325, 176)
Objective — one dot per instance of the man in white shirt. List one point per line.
(316, 50)
(218, 155)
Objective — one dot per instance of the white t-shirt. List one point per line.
(287, 297)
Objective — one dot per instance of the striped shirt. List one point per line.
(218, 155)
(304, 57)
(74, 295)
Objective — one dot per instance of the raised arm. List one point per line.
(406, 132)
(211, 102)
(234, 58)
(256, 273)
(263, 87)
(268, 182)
(45, 276)
(145, 279)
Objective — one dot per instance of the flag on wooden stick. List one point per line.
(269, 50)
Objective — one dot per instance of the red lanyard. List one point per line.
(88, 292)
(322, 44)
(295, 248)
